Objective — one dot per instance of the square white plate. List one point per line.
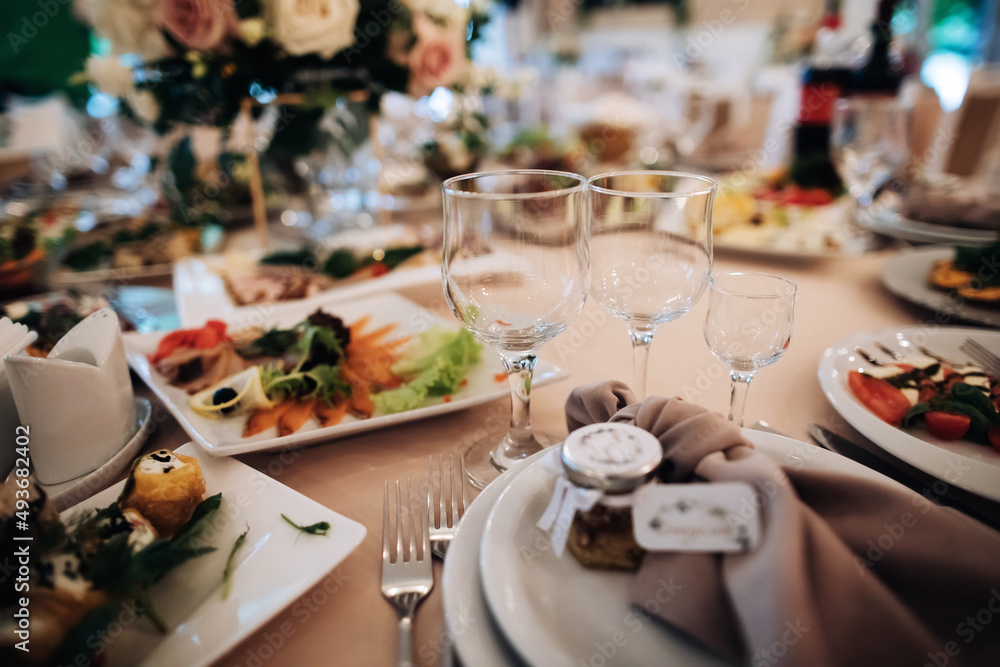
(224, 437)
(276, 564)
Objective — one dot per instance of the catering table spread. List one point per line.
(344, 620)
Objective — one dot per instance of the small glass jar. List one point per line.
(615, 459)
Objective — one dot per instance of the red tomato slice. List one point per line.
(886, 401)
(994, 435)
(947, 425)
(207, 337)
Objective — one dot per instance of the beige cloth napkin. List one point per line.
(848, 571)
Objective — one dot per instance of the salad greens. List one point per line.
(965, 399)
(318, 528)
(435, 366)
(227, 573)
(319, 344)
(342, 262)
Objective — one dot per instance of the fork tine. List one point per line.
(399, 528)
(451, 492)
(386, 559)
(442, 502)
(425, 541)
(465, 488)
(431, 523)
(411, 554)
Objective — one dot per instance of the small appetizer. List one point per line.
(164, 487)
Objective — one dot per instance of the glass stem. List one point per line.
(642, 339)
(519, 373)
(738, 397)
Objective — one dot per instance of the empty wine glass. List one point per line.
(748, 327)
(868, 142)
(539, 220)
(651, 250)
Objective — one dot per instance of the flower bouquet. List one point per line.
(178, 63)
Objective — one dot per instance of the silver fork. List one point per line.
(451, 504)
(407, 578)
(989, 361)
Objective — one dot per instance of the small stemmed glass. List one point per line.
(748, 326)
(868, 143)
(651, 250)
(539, 220)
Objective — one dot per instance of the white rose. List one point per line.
(144, 105)
(323, 27)
(109, 75)
(129, 26)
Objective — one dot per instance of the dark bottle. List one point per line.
(881, 74)
(823, 82)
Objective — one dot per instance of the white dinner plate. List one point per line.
(889, 222)
(963, 463)
(275, 566)
(813, 233)
(905, 275)
(554, 610)
(224, 437)
(201, 293)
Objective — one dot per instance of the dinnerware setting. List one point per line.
(338, 347)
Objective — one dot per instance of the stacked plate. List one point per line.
(508, 599)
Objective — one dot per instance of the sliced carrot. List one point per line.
(358, 326)
(330, 415)
(499, 377)
(297, 415)
(261, 420)
(372, 336)
(361, 400)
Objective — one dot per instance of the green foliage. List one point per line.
(435, 366)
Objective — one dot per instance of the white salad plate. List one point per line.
(201, 294)
(509, 600)
(275, 565)
(224, 436)
(966, 464)
(905, 275)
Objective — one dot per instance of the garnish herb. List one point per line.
(227, 573)
(320, 528)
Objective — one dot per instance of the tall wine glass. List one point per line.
(539, 220)
(748, 327)
(651, 250)
(868, 143)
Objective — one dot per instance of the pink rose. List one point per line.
(197, 24)
(437, 58)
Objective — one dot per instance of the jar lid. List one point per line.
(613, 457)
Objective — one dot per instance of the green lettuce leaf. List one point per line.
(435, 366)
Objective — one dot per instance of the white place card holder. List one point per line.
(705, 518)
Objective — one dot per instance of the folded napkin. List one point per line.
(847, 572)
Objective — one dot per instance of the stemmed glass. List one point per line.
(539, 220)
(748, 326)
(868, 142)
(651, 250)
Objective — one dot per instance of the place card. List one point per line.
(717, 517)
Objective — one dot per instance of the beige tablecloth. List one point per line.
(345, 621)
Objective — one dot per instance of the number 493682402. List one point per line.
(22, 469)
